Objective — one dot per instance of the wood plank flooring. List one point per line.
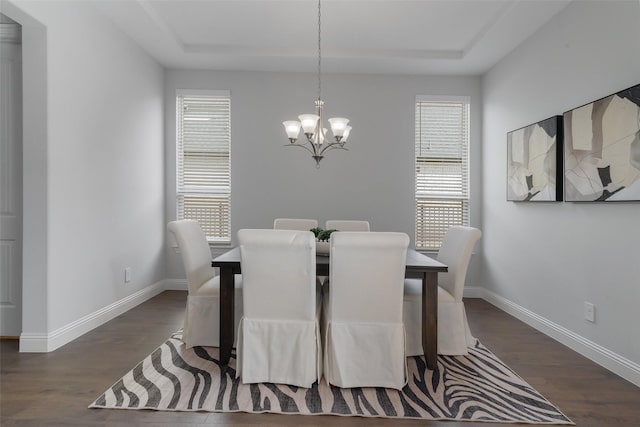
(54, 389)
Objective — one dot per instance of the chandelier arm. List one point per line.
(313, 145)
(332, 146)
(313, 153)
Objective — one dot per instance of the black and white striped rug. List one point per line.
(477, 387)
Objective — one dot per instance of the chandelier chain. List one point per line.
(319, 54)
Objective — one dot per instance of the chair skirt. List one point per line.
(351, 349)
(454, 335)
(279, 351)
(202, 319)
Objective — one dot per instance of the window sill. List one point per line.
(428, 252)
(219, 244)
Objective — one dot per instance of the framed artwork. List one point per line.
(534, 165)
(602, 149)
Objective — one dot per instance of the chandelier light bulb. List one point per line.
(292, 127)
(338, 126)
(309, 123)
(347, 131)
(319, 139)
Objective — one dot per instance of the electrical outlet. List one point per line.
(127, 275)
(589, 312)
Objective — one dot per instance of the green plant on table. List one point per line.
(321, 234)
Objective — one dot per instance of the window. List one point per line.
(203, 167)
(442, 168)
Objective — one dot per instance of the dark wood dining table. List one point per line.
(417, 266)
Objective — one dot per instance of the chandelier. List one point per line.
(317, 142)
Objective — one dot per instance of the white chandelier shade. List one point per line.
(309, 122)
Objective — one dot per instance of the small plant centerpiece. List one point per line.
(322, 240)
(321, 234)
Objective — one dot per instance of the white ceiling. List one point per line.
(358, 36)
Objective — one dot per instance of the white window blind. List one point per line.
(203, 167)
(442, 168)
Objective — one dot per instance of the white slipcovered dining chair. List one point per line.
(346, 225)
(363, 330)
(202, 317)
(454, 335)
(279, 334)
(294, 224)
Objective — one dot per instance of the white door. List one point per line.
(10, 180)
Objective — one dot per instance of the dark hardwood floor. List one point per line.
(54, 389)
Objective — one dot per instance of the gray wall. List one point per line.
(374, 180)
(93, 165)
(548, 258)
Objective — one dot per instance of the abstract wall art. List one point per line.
(602, 149)
(534, 165)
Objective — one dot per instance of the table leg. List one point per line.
(227, 295)
(430, 319)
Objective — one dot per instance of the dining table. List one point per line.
(417, 265)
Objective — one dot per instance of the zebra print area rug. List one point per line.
(477, 387)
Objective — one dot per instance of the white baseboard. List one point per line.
(617, 364)
(43, 343)
(175, 285)
(473, 292)
(625, 368)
